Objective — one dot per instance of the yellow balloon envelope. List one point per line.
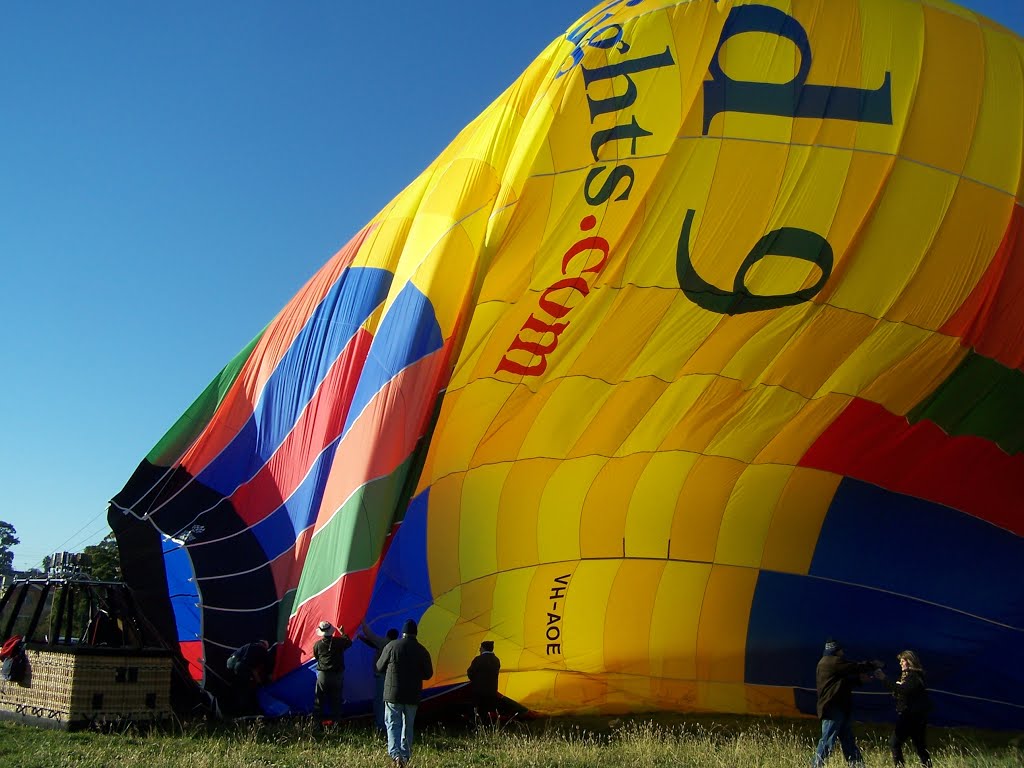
(701, 345)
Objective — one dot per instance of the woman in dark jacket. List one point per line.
(912, 708)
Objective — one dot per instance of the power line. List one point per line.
(75, 539)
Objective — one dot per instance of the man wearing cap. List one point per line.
(250, 667)
(405, 664)
(329, 652)
(483, 682)
(836, 677)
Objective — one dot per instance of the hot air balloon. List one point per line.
(703, 343)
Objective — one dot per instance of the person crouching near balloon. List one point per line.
(329, 652)
(836, 677)
(912, 707)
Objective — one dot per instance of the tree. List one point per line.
(8, 539)
(104, 559)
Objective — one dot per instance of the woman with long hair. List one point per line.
(912, 707)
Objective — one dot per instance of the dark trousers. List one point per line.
(245, 695)
(910, 728)
(327, 695)
(485, 707)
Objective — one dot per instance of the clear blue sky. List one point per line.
(172, 173)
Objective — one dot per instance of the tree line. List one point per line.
(102, 560)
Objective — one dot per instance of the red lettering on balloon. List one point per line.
(542, 334)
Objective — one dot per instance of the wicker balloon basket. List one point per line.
(75, 688)
(88, 657)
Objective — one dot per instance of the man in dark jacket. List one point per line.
(836, 677)
(483, 682)
(405, 664)
(329, 652)
(250, 667)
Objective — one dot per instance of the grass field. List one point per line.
(700, 742)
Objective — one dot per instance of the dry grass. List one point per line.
(697, 742)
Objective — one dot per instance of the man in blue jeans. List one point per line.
(836, 678)
(405, 664)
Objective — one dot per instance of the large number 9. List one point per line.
(785, 241)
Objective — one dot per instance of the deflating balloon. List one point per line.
(703, 343)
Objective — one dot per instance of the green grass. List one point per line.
(634, 742)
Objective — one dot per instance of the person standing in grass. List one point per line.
(483, 682)
(329, 652)
(912, 707)
(378, 643)
(836, 678)
(405, 664)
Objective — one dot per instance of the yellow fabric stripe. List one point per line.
(480, 497)
(721, 641)
(676, 619)
(508, 612)
(701, 504)
(519, 512)
(613, 425)
(570, 408)
(561, 507)
(627, 628)
(603, 522)
(586, 607)
(748, 514)
(957, 258)
(655, 503)
(906, 221)
(996, 154)
(796, 520)
(442, 534)
(652, 427)
(947, 92)
(754, 423)
(805, 364)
